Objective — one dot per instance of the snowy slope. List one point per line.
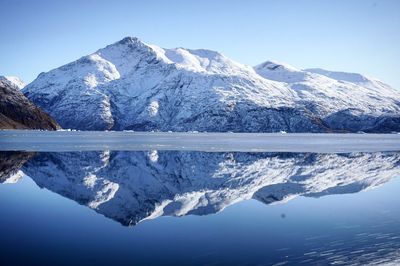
(344, 100)
(133, 186)
(132, 85)
(344, 76)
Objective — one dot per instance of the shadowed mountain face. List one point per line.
(17, 112)
(129, 187)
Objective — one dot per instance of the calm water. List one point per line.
(201, 208)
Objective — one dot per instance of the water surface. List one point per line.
(31, 140)
(158, 207)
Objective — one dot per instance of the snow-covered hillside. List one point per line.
(133, 186)
(132, 85)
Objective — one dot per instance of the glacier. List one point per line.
(130, 85)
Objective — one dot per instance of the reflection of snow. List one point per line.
(14, 178)
(128, 187)
(90, 180)
(153, 156)
(103, 195)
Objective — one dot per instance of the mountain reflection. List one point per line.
(10, 164)
(129, 187)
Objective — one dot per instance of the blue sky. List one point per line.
(348, 35)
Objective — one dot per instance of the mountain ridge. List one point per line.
(130, 85)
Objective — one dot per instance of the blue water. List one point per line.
(46, 218)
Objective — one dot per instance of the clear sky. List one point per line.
(349, 35)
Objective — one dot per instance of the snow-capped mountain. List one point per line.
(133, 186)
(132, 85)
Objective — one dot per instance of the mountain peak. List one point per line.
(273, 65)
(280, 72)
(130, 40)
(125, 46)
